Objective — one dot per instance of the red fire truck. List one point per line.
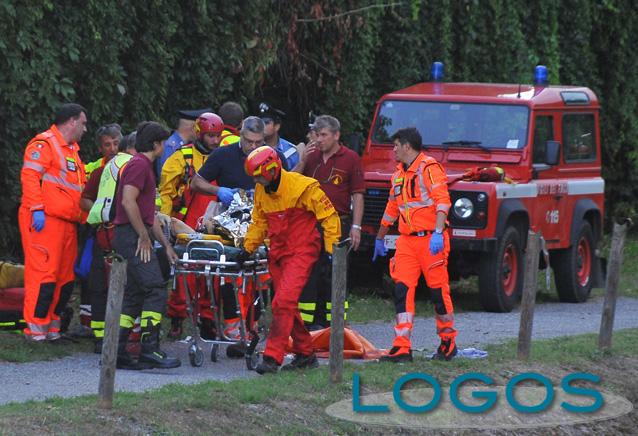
(546, 139)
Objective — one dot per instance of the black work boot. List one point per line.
(446, 351)
(151, 353)
(302, 361)
(268, 365)
(397, 355)
(124, 359)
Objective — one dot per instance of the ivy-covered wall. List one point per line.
(128, 60)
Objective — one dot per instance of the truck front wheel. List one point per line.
(573, 267)
(501, 274)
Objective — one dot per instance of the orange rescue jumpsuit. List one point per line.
(289, 217)
(52, 178)
(416, 195)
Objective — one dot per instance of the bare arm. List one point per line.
(440, 220)
(159, 235)
(304, 150)
(383, 230)
(86, 204)
(129, 202)
(357, 215)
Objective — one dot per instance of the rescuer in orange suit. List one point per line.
(52, 178)
(419, 198)
(179, 201)
(287, 208)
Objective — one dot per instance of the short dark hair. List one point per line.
(408, 135)
(147, 133)
(231, 113)
(67, 111)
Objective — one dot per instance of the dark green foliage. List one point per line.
(128, 61)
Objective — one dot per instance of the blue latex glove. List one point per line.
(38, 220)
(225, 195)
(379, 249)
(436, 243)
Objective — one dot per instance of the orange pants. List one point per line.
(412, 258)
(49, 256)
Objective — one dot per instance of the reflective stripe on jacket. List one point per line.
(416, 195)
(289, 216)
(177, 199)
(228, 138)
(52, 176)
(101, 210)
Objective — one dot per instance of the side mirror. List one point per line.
(354, 141)
(552, 152)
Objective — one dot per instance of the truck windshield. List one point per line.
(447, 124)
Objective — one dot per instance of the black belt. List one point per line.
(422, 233)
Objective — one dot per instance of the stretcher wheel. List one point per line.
(196, 357)
(213, 352)
(251, 361)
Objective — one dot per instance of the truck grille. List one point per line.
(375, 200)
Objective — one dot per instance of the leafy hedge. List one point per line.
(127, 60)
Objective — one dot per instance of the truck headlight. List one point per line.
(463, 208)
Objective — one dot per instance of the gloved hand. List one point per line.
(242, 257)
(225, 195)
(38, 220)
(436, 243)
(379, 249)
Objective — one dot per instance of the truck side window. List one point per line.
(543, 132)
(578, 137)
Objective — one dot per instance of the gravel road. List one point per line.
(79, 374)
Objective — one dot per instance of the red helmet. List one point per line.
(260, 161)
(208, 122)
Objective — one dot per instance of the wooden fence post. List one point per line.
(117, 282)
(611, 287)
(529, 295)
(339, 274)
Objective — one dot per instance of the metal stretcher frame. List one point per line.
(249, 270)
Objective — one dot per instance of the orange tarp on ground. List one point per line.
(355, 346)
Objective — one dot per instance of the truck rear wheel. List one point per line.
(573, 267)
(501, 274)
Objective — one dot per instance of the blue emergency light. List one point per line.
(540, 75)
(437, 71)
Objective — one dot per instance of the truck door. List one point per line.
(549, 210)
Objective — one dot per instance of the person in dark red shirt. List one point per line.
(338, 170)
(135, 221)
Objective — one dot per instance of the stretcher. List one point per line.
(211, 259)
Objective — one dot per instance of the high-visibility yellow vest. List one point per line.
(92, 166)
(101, 210)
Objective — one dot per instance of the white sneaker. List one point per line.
(35, 338)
